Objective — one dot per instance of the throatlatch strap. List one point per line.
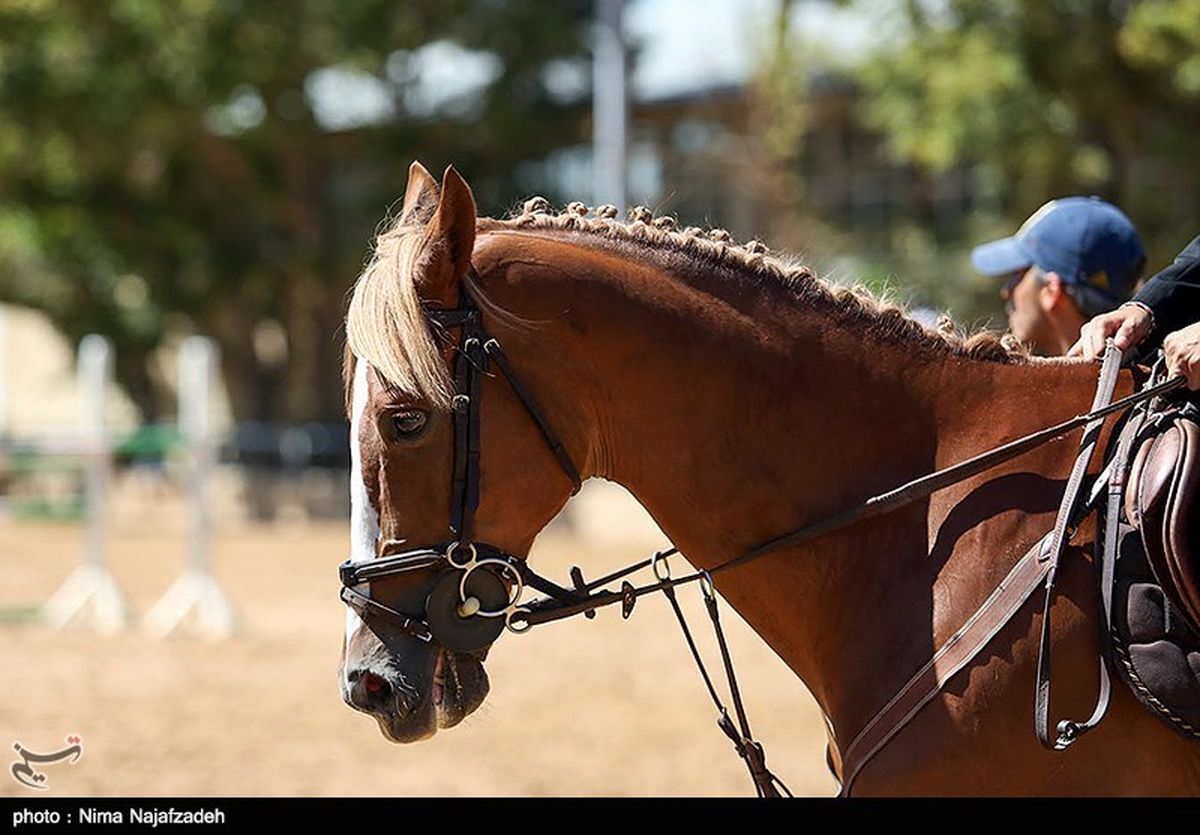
(493, 350)
(1068, 730)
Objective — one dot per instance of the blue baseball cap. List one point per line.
(1091, 245)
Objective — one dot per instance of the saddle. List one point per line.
(1160, 502)
(1155, 621)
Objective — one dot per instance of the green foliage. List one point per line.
(163, 166)
(938, 114)
(1071, 96)
(781, 92)
(1025, 100)
(1165, 35)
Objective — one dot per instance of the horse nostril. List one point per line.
(369, 691)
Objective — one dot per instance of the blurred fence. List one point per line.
(264, 472)
(186, 478)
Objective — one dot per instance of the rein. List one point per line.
(544, 611)
(470, 605)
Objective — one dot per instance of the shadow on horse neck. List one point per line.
(734, 406)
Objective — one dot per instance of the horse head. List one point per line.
(427, 433)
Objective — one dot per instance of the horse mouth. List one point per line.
(459, 686)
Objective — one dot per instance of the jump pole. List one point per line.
(197, 591)
(90, 593)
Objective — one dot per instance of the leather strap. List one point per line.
(493, 350)
(926, 485)
(766, 784)
(475, 351)
(957, 652)
(1069, 730)
(464, 493)
(545, 611)
(365, 606)
(1108, 560)
(476, 363)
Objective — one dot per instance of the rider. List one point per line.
(1073, 259)
(1159, 314)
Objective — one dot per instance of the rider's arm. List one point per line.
(1166, 303)
(1173, 296)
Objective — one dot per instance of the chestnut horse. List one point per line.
(737, 397)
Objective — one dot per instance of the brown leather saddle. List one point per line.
(1155, 625)
(1161, 502)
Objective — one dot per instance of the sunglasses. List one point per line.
(1011, 283)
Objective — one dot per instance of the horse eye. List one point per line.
(409, 423)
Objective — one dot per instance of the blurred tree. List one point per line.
(219, 165)
(1003, 104)
(1068, 96)
(785, 115)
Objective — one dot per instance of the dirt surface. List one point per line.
(581, 708)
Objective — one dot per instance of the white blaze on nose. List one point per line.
(364, 521)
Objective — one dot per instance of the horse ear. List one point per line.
(420, 195)
(449, 241)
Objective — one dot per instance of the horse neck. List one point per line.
(734, 414)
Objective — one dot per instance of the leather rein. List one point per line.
(479, 589)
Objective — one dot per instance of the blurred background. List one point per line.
(193, 186)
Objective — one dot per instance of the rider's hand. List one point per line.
(1182, 350)
(1128, 325)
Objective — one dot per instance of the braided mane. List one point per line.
(716, 248)
(385, 324)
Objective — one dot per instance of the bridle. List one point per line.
(478, 590)
(469, 606)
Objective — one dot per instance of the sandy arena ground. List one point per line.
(580, 708)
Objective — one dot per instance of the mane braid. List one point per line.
(387, 327)
(716, 248)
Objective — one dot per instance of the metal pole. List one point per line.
(197, 591)
(609, 107)
(95, 376)
(197, 361)
(91, 588)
